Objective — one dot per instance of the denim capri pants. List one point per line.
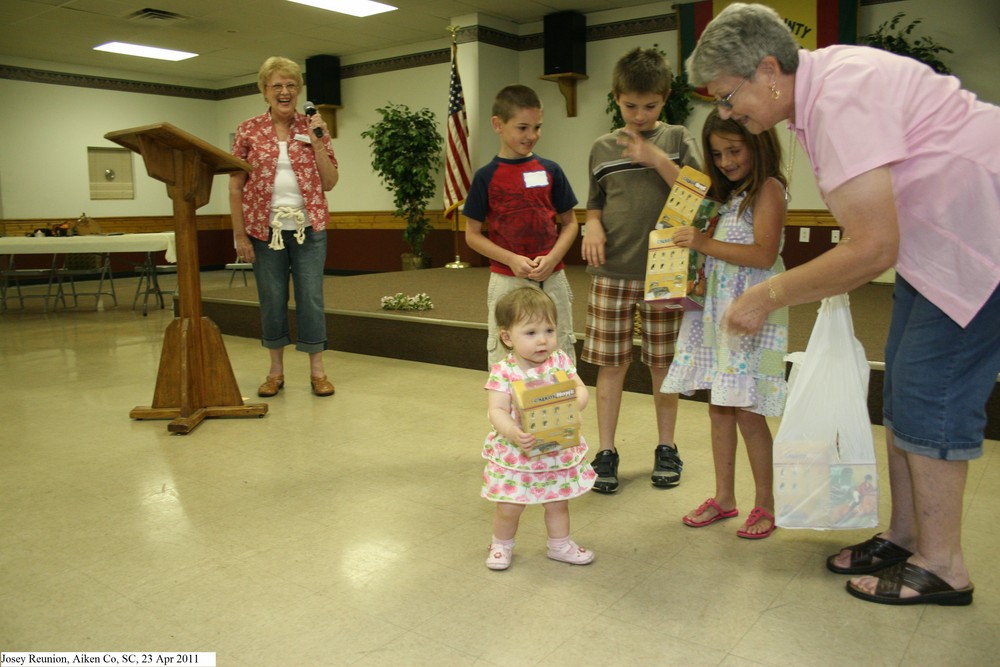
(939, 376)
(271, 270)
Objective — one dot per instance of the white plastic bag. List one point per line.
(825, 475)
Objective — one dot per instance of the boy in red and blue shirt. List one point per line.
(519, 214)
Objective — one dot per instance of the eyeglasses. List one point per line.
(724, 103)
(290, 87)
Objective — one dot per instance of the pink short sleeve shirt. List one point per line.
(857, 109)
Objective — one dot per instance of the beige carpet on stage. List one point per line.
(459, 295)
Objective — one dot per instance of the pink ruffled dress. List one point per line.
(512, 477)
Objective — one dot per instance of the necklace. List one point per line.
(793, 145)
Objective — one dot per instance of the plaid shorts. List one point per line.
(611, 324)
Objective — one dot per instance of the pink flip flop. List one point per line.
(721, 514)
(756, 514)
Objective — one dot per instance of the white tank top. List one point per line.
(286, 188)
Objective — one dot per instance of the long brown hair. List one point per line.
(765, 152)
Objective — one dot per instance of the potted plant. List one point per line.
(406, 154)
(889, 37)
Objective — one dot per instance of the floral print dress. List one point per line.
(512, 477)
(741, 371)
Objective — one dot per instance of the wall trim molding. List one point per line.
(469, 34)
(355, 220)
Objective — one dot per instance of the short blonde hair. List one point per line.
(278, 65)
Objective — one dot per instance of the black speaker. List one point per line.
(565, 43)
(323, 80)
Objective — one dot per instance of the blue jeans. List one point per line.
(939, 376)
(271, 270)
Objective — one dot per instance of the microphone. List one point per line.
(310, 110)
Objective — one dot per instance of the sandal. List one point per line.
(718, 516)
(272, 385)
(756, 514)
(321, 386)
(864, 553)
(931, 588)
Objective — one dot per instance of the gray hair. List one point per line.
(736, 40)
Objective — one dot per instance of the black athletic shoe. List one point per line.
(667, 467)
(606, 466)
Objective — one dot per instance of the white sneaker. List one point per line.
(571, 553)
(499, 556)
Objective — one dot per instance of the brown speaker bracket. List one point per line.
(329, 114)
(567, 86)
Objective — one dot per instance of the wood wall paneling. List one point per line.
(372, 241)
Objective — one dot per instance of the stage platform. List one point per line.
(454, 332)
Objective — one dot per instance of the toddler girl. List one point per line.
(526, 318)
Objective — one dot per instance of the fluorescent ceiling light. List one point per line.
(144, 51)
(351, 7)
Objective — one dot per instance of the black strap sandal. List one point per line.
(863, 557)
(930, 588)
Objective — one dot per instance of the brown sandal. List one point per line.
(863, 556)
(321, 386)
(930, 588)
(272, 385)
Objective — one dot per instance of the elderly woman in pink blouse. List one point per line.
(909, 164)
(279, 214)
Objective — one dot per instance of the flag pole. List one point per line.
(453, 209)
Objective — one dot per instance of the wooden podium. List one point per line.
(195, 379)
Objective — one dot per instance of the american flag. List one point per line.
(456, 162)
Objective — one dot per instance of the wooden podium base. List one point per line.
(185, 425)
(195, 380)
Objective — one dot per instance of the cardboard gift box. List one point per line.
(549, 412)
(675, 276)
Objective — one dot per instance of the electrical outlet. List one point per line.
(835, 236)
(803, 235)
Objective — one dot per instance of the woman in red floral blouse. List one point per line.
(279, 213)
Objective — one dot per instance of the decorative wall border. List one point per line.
(477, 33)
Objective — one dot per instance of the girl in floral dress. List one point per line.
(526, 318)
(745, 374)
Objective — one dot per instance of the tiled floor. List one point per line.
(349, 531)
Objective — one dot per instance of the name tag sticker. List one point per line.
(536, 179)
(301, 137)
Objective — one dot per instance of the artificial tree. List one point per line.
(406, 154)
